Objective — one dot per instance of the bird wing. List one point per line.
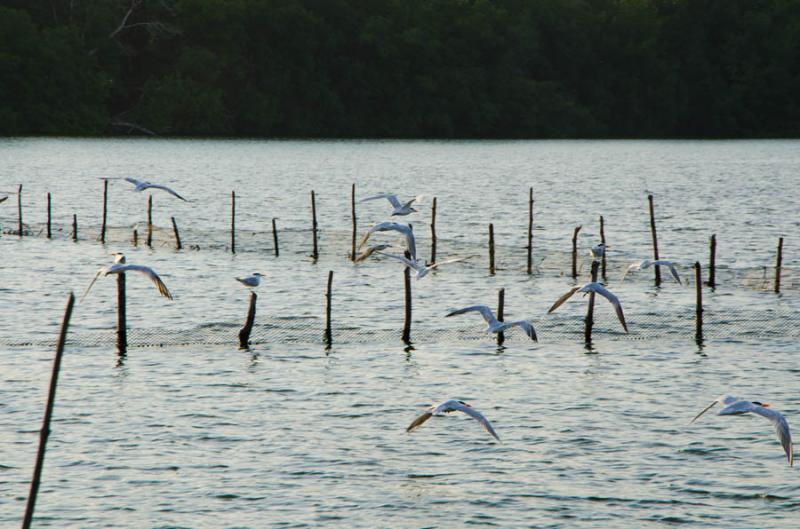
(485, 311)
(475, 414)
(134, 181)
(527, 327)
(674, 272)
(388, 196)
(600, 289)
(633, 266)
(99, 272)
(725, 400)
(419, 421)
(401, 258)
(781, 428)
(168, 190)
(146, 270)
(560, 301)
(448, 261)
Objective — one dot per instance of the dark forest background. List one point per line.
(401, 68)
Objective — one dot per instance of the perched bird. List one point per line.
(420, 269)
(597, 288)
(405, 229)
(449, 406)
(736, 406)
(598, 252)
(495, 325)
(119, 266)
(251, 281)
(647, 263)
(363, 256)
(398, 208)
(141, 186)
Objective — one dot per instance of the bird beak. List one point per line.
(765, 404)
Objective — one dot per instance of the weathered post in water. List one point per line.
(491, 249)
(315, 249)
(135, 237)
(105, 206)
(74, 227)
(233, 221)
(587, 333)
(19, 210)
(150, 221)
(178, 244)
(698, 320)
(275, 237)
(603, 242)
(530, 231)
(712, 264)
(655, 239)
(407, 285)
(355, 224)
(433, 233)
(501, 301)
(49, 231)
(575, 252)
(122, 325)
(44, 433)
(244, 333)
(778, 265)
(328, 298)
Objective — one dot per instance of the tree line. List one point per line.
(401, 68)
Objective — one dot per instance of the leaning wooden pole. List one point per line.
(603, 242)
(501, 301)
(712, 262)
(122, 325)
(407, 285)
(178, 244)
(355, 222)
(19, 210)
(105, 209)
(49, 230)
(575, 252)
(244, 333)
(778, 265)
(433, 233)
(587, 333)
(655, 238)
(491, 249)
(233, 221)
(530, 231)
(315, 248)
(275, 238)
(698, 320)
(44, 433)
(150, 221)
(328, 302)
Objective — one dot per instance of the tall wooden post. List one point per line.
(122, 325)
(74, 227)
(530, 231)
(433, 233)
(575, 252)
(19, 210)
(655, 238)
(328, 302)
(233, 221)
(44, 433)
(275, 238)
(105, 206)
(778, 265)
(150, 221)
(315, 249)
(712, 264)
(698, 333)
(355, 225)
(501, 299)
(603, 242)
(244, 332)
(49, 231)
(178, 244)
(587, 334)
(407, 285)
(135, 237)
(491, 249)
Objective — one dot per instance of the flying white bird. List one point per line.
(735, 406)
(419, 268)
(119, 266)
(598, 252)
(360, 258)
(598, 289)
(411, 244)
(141, 186)
(647, 263)
(495, 325)
(399, 208)
(449, 406)
(251, 281)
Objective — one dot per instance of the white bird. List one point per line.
(360, 258)
(647, 263)
(251, 281)
(398, 207)
(736, 406)
(405, 229)
(495, 325)
(598, 289)
(449, 406)
(119, 266)
(598, 252)
(419, 268)
(141, 186)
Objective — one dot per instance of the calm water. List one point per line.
(292, 435)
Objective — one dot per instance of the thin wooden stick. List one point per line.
(575, 252)
(501, 299)
(122, 324)
(275, 238)
(44, 433)
(74, 227)
(135, 237)
(655, 238)
(587, 334)
(355, 224)
(433, 233)
(244, 333)
(603, 242)
(19, 210)
(150, 221)
(712, 265)
(491, 249)
(49, 231)
(328, 302)
(778, 266)
(407, 285)
(698, 333)
(105, 206)
(530, 231)
(233, 221)
(315, 250)
(178, 244)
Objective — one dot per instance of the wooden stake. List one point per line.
(433, 233)
(530, 231)
(491, 249)
(122, 325)
(698, 333)
(150, 221)
(244, 333)
(315, 250)
(575, 252)
(105, 206)
(655, 239)
(603, 242)
(328, 298)
(233, 221)
(49, 231)
(778, 266)
(407, 284)
(178, 245)
(19, 210)
(275, 238)
(501, 298)
(135, 237)
(74, 227)
(44, 433)
(712, 265)
(587, 334)
(355, 226)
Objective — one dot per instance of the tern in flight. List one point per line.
(449, 406)
(252, 280)
(141, 186)
(119, 267)
(735, 406)
(399, 208)
(598, 252)
(647, 263)
(405, 229)
(495, 325)
(420, 270)
(597, 288)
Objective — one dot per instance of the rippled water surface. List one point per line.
(291, 434)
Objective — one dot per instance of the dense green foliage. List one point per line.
(401, 68)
